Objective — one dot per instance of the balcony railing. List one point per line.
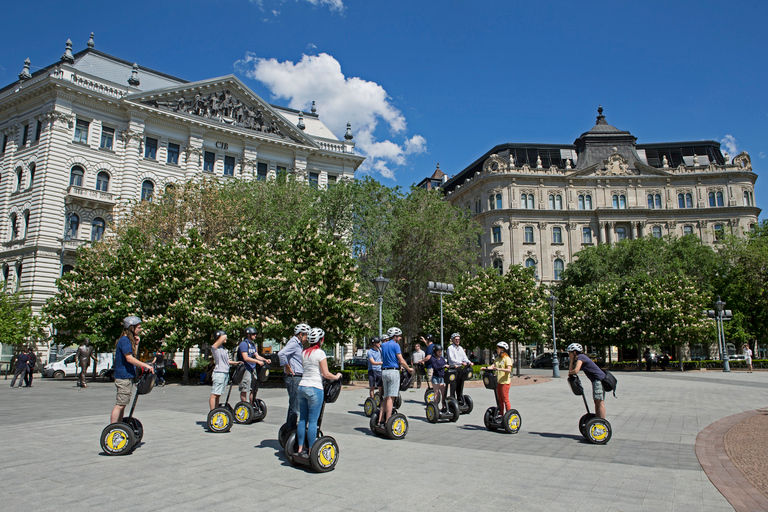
(89, 196)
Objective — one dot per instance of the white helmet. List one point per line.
(131, 321)
(574, 347)
(394, 331)
(384, 337)
(455, 335)
(504, 345)
(301, 328)
(316, 335)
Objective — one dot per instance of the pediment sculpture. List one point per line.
(494, 164)
(224, 107)
(615, 166)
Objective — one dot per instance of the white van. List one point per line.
(67, 367)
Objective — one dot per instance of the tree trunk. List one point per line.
(185, 379)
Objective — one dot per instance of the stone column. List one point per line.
(572, 229)
(193, 155)
(542, 248)
(633, 228)
(609, 238)
(603, 236)
(641, 228)
(512, 249)
(133, 138)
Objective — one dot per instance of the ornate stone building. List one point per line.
(540, 204)
(91, 132)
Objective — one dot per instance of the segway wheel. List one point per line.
(583, 422)
(397, 402)
(488, 417)
(469, 403)
(432, 413)
(291, 447)
(374, 421)
(220, 420)
(512, 421)
(324, 454)
(282, 434)
(243, 413)
(453, 408)
(369, 407)
(429, 395)
(377, 399)
(598, 431)
(397, 426)
(117, 439)
(138, 429)
(260, 411)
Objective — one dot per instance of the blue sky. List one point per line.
(444, 81)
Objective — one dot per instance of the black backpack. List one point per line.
(609, 382)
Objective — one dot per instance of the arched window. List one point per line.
(97, 229)
(71, 226)
(499, 266)
(557, 235)
(681, 200)
(551, 202)
(588, 201)
(19, 269)
(528, 234)
(656, 231)
(26, 223)
(746, 199)
(719, 199)
(66, 269)
(496, 231)
(524, 201)
(559, 266)
(14, 227)
(530, 202)
(102, 181)
(650, 201)
(711, 199)
(558, 202)
(615, 202)
(498, 202)
(491, 203)
(32, 169)
(76, 176)
(147, 190)
(530, 263)
(622, 202)
(581, 202)
(658, 200)
(6, 276)
(688, 200)
(19, 173)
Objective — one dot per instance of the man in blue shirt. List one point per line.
(374, 366)
(291, 361)
(391, 361)
(249, 354)
(429, 350)
(124, 365)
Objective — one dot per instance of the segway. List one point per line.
(429, 394)
(595, 430)
(324, 452)
(455, 377)
(372, 405)
(397, 424)
(511, 421)
(222, 416)
(254, 410)
(122, 437)
(435, 414)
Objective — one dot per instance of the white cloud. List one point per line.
(333, 5)
(340, 100)
(729, 141)
(762, 154)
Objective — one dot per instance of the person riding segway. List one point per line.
(122, 437)
(497, 378)
(450, 408)
(290, 358)
(387, 421)
(594, 427)
(459, 370)
(250, 409)
(429, 393)
(375, 386)
(221, 416)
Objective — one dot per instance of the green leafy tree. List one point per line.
(17, 323)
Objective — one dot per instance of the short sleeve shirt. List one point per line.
(418, 356)
(311, 361)
(389, 351)
(124, 369)
(591, 370)
(376, 356)
(503, 362)
(250, 349)
(221, 358)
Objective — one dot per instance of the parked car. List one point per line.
(67, 367)
(356, 361)
(545, 360)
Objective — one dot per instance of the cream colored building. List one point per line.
(540, 204)
(91, 132)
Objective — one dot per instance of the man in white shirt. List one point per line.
(416, 358)
(456, 354)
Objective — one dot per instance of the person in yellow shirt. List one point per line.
(503, 367)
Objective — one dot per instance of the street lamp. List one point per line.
(719, 307)
(380, 283)
(555, 361)
(441, 289)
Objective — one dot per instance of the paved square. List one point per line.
(50, 456)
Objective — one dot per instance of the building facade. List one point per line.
(92, 132)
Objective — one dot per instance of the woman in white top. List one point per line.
(748, 356)
(311, 390)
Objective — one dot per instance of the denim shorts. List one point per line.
(391, 379)
(374, 379)
(220, 380)
(438, 380)
(597, 390)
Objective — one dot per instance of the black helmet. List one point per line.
(437, 347)
(430, 337)
(218, 334)
(250, 330)
(375, 339)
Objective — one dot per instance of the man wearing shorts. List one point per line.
(374, 366)
(391, 361)
(579, 361)
(428, 352)
(248, 353)
(125, 363)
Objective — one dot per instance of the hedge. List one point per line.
(690, 365)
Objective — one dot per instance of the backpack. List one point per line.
(609, 382)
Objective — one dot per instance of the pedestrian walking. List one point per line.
(22, 366)
(31, 371)
(159, 362)
(748, 356)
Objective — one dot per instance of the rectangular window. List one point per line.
(150, 148)
(25, 136)
(5, 143)
(719, 232)
(81, 131)
(313, 179)
(557, 235)
(496, 235)
(586, 235)
(621, 234)
(229, 166)
(173, 154)
(281, 172)
(687, 230)
(209, 160)
(107, 137)
(331, 180)
(38, 130)
(528, 235)
(261, 171)
(656, 231)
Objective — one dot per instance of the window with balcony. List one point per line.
(97, 229)
(261, 171)
(173, 154)
(586, 235)
(81, 131)
(209, 161)
(528, 234)
(71, 226)
(107, 138)
(557, 235)
(229, 166)
(102, 181)
(559, 267)
(76, 176)
(150, 148)
(656, 231)
(496, 231)
(499, 266)
(147, 190)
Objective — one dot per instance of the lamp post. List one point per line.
(441, 289)
(380, 283)
(719, 307)
(555, 360)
